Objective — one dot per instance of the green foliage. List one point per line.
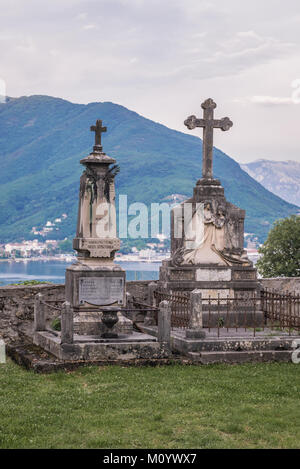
(30, 282)
(65, 246)
(128, 244)
(220, 322)
(56, 324)
(42, 140)
(213, 406)
(281, 251)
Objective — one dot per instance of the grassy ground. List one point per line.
(217, 406)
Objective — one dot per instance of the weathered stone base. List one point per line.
(33, 357)
(216, 284)
(212, 280)
(231, 347)
(93, 269)
(127, 347)
(88, 316)
(195, 334)
(91, 324)
(256, 356)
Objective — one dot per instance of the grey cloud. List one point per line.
(130, 50)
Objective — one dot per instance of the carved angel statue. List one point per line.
(207, 245)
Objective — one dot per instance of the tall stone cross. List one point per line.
(209, 124)
(98, 129)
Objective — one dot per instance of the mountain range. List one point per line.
(280, 177)
(42, 139)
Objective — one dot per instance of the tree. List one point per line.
(281, 251)
(66, 246)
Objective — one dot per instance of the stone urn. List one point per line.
(109, 319)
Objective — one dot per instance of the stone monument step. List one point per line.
(135, 346)
(122, 338)
(229, 341)
(238, 344)
(206, 358)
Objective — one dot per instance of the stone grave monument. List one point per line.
(92, 324)
(95, 285)
(207, 232)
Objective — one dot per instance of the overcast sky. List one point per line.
(162, 58)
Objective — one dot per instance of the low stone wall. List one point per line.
(282, 284)
(17, 305)
(17, 308)
(139, 289)
(17, 302)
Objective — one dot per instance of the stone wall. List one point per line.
(17, 308)
(17, 305)
(138, 289)
(282, 284)
(17, 302)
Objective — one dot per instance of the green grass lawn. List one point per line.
(216, 406)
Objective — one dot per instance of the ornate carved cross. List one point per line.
(209, 124)
(98, 129)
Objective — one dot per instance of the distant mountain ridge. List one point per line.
(43, 138)
(280, 177)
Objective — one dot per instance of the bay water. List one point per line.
(12, 272)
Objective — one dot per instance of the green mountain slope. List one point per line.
(42, 140)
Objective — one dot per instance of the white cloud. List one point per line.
(2, 90)
(265, 100)
(54, 52)
(89, 26)
(243, 51)
(26, 45)
(271, 100)
(81, 16)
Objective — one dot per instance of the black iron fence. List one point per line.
(272, 310)
(220, 314)
(282, 310)
(180, 307)
(232, 314)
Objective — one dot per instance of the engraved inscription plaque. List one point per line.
(101, 291)
(182, 275)
(244, 275)
(213, 275)
(102, 247)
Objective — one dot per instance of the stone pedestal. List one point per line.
(195, 327)
(164, 323)
(211, 280)
(216, 283)
(92, 287)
